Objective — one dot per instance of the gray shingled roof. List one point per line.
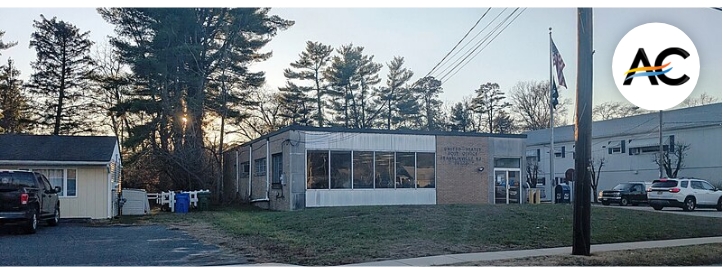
(700, 116)
(56, 148)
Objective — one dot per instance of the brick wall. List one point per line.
(459, 180)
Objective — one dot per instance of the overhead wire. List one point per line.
(470, 41)
(440, 63)
(485, 46)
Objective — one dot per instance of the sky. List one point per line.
(424, 35)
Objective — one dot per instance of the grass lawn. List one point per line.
(697, 255)
(342, 235)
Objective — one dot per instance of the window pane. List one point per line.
(55, 177)
(71, 191)
(708, 186)
(276, 170)
(405, 170)
(384, 168)
(340, 169)
(260, 166)
(696, 185)
(318, 170)
(425, 170)
(507, 163)
(363, 169)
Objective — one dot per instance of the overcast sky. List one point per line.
(424, 35)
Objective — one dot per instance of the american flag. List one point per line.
(559, 65)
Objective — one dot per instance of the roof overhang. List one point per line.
(52, 163)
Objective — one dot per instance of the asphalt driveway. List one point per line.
(81, 244)
(670, 210)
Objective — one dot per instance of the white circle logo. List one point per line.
(656, 66)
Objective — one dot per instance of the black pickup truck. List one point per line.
(626, 193)
(27, 197)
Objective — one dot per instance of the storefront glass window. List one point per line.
(425, 170)
(363, 169)
(384, 166)
(405, 170)
(340, 169)
(318, 170)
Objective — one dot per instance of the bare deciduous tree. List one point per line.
(595, 174)
(531, 105)
(673, 161)
(613, 110)
(702, 99)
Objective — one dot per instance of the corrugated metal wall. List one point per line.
(369, 142)
(361, 197)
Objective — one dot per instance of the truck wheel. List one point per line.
(624, 201)
(56, 217)
(718, 207)
(689, 204)
(657, 207)
(31, 226)
(605, 203)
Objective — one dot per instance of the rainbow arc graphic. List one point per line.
(646, 71)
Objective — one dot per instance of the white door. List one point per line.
(711, 195)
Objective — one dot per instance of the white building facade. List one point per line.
(630, 145)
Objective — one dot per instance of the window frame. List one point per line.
(277, 173)
(64, 187)
(258, 164)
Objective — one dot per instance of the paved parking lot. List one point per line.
(81, 244)
(678, 211)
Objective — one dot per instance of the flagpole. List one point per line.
(552, 119)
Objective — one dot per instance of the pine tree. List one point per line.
(460, 117)
(397, 77)
(503, 123)
(428, 90)
(311, 66)
(190, 67)
(488, 102)
(4, 45)
(13, 104)
(295, 97)
(340, 75)
(295, 104)
(61, 71)
(365, 106)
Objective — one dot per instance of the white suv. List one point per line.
(686, 193)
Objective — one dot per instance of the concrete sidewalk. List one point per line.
(513, 254)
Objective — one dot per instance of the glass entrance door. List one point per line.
(507, 186)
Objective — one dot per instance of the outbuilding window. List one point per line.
(260, 165)
(65, 178)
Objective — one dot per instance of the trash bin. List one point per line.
(183, 200)
(562, 193)
(204, 199)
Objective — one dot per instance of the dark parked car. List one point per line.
(625, 193)
(27, 197)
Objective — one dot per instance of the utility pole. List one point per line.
(660, 143)
(583, 134)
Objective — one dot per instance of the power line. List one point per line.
(460, 41)
(483, 48)
(482, 42)
(477, 43)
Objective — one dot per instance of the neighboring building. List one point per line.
(629, 146)
(299, 166)
(87, 168)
